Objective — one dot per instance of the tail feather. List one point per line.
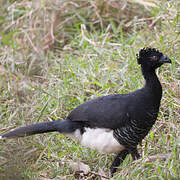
(43, 127)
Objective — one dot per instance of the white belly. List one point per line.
(98, 139)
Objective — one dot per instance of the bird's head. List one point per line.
(150, 58)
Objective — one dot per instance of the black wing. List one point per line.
(105, 112)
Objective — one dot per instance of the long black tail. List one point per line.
(62, 126)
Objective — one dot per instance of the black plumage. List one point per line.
(129, 117)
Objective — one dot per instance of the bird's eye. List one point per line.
(155, 58)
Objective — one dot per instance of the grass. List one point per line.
(52, 60)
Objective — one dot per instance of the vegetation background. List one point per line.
(55, 55)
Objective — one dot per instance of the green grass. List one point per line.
(87, 60)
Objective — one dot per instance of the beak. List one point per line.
(165, 59)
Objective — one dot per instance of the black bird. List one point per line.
(114, 123)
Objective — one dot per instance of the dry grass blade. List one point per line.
(146, 3)
(49, 39)
(79, 167)
(162, 157)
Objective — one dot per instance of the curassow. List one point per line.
(113, 123)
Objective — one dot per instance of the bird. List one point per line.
(114, 123)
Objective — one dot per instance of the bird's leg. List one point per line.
(118, 160)
(134, 153)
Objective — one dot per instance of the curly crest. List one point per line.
(145, 52)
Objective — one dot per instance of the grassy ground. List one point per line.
(55, 55)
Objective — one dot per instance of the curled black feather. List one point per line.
(147, 52)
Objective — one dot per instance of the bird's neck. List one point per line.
(152, 83)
